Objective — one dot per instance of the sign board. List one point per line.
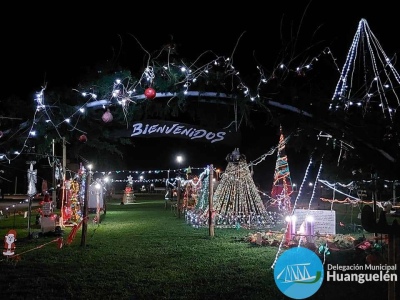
(324, 220)
(160, 128)
(48, 224)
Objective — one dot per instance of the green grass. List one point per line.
(144, 251)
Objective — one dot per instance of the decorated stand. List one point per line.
(96, 196)
(47, 218)
(73, 199)
(129, 195)
(96, 199)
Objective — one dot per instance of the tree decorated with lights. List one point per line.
(236, 200)
(282, 186)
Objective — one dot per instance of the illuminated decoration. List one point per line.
(202, 202)
(160, 128)
(129, 196)
(32, 180)
(191, 189)
(376, 90)
(282, 185)
(83, 138)
(74, 204)
(107, 116)
(75, 197)
(348, 201)
(288, 235)
(150, 93)
(236, 201)
(195, 216)
(9, 243)
(46, 206)
(178, 82)
(66, 207)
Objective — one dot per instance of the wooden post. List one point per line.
(166, 191)
(98, 206)
(210, 202)
(391, 262)
(29, 216)
(178, 199)
(86, 209)
(63, 189)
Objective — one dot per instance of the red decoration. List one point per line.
(282, 184)
(107, 116)
(9, 242)
(83, 138)
(150, 93)
(60, 242)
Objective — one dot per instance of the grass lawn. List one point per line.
(144, 251)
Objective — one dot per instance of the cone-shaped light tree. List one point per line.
(282, 185)
(236, 200)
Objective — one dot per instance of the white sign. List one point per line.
(47, 208)
(324, 220)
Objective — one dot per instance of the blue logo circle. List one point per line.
(299, 273)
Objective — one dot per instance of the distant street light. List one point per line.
(179, 159)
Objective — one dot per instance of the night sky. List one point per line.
(53, 45)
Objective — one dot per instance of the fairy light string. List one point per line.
(283, 240)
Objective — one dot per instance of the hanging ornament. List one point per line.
(83, 138)
(150, 93)
(107, 116)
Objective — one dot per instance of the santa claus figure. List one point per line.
(9, 242)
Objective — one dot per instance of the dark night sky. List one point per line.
(53, 44)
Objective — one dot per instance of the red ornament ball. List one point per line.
(107, 116)
(150, 93)
(83, 138)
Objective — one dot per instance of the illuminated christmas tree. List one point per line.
(282, 185)
(236, 200)
(204, 193)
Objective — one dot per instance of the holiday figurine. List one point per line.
(9, 242)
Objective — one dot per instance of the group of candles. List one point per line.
(307, 230)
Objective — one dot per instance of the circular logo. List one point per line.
(299, 273)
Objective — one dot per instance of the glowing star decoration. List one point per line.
(130, 179)
(32, 179)
(83, 138)
(107, 116)
(150, 93)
